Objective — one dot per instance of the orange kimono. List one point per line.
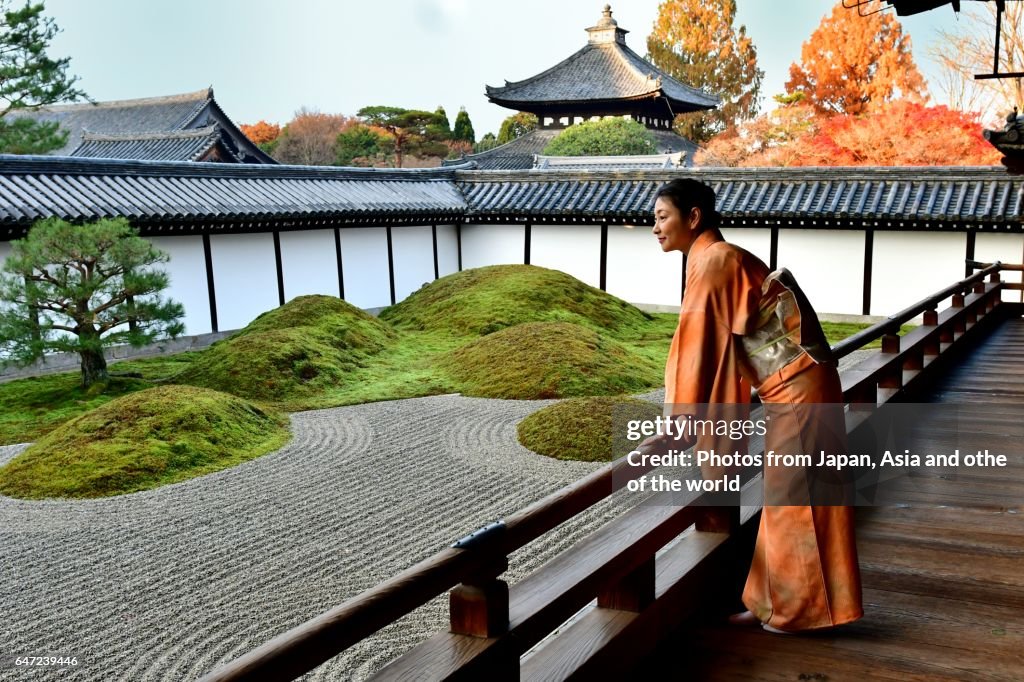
(804, 573)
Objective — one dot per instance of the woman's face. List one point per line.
(675, 231)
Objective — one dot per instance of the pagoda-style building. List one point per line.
(186, 127)
(604, 78)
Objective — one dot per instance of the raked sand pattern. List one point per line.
(169, 584)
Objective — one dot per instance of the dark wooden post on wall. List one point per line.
(280, 267)
(773, 249)
(458, 244)
(527, 237)
(869, 248)
(208, 256)
(969, 256)
(337, 255)
(603, 276)
(433, 239)
(391, 264)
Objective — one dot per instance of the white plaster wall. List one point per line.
(829, 265)
(573, 249)
(639, 271)
(1008, 248)
(492, 245)
(447, 250)
(309, 263)
(364, 263)
(413, 251)
(187, 269)
(244, 277)
(756, 240)
(908, 266)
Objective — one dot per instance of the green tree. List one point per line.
(516, 125)
(488, 141)
(413, 131)
(463, 127)
(607, 137)
(695, 42)
(80, 288)
(30, 79)
(442, 129)
(361, 142)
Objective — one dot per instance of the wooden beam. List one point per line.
(210, 288)
(279, 267)
(337, 256)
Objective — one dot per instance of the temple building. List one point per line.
(604, 78)
(186, 127)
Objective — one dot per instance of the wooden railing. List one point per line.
(639, 596)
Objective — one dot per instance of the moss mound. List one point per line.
(584, 429)
(141, 441)
(485, 300)
(291, 353)
(549, 360)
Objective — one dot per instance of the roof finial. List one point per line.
(607, 29)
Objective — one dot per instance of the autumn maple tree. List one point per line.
(260, 132)
(900, 133)
(852, 61)
(309, 138)
(696, 43)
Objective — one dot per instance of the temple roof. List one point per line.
(145, 120)
(604, 70)
(197, 144)
(190, 198)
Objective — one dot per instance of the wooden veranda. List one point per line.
(944, 589)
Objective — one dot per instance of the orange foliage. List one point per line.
(309, 138)
(900, 133)
(853, 61)
(260, 132)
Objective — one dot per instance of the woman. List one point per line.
(804, 573)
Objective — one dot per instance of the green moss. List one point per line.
(585, 429)
(549, 360)
(141, 441)
(291, 355)
(485, 300)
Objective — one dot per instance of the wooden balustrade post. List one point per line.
(959, 325)
(479, 606)
(633, 592)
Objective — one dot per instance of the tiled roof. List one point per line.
(186, 145)
(608, 71)
(183, 196)
(196, 195)
(519, 153)
(602, 71)
(918, 197)
(633, 162)
(148, 116)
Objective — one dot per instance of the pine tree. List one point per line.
(30, 79)
(695, 42)
(79, 288)
(463, 127)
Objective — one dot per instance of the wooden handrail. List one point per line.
(891, 325)
(480, 605)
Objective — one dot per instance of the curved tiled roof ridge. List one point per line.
(199, 95)
(635, 61)
(90, 136)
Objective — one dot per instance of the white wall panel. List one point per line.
(244, 276)
(639, 271)
(756, 240)
(1008, 248)
(908, 266)
(447, 250)
(309, 263)
(187, 269)
(364, 261)
(492, 245)
(829, 265)
(573, 249)
(412, 249)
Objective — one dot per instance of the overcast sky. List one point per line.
(267, 58)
